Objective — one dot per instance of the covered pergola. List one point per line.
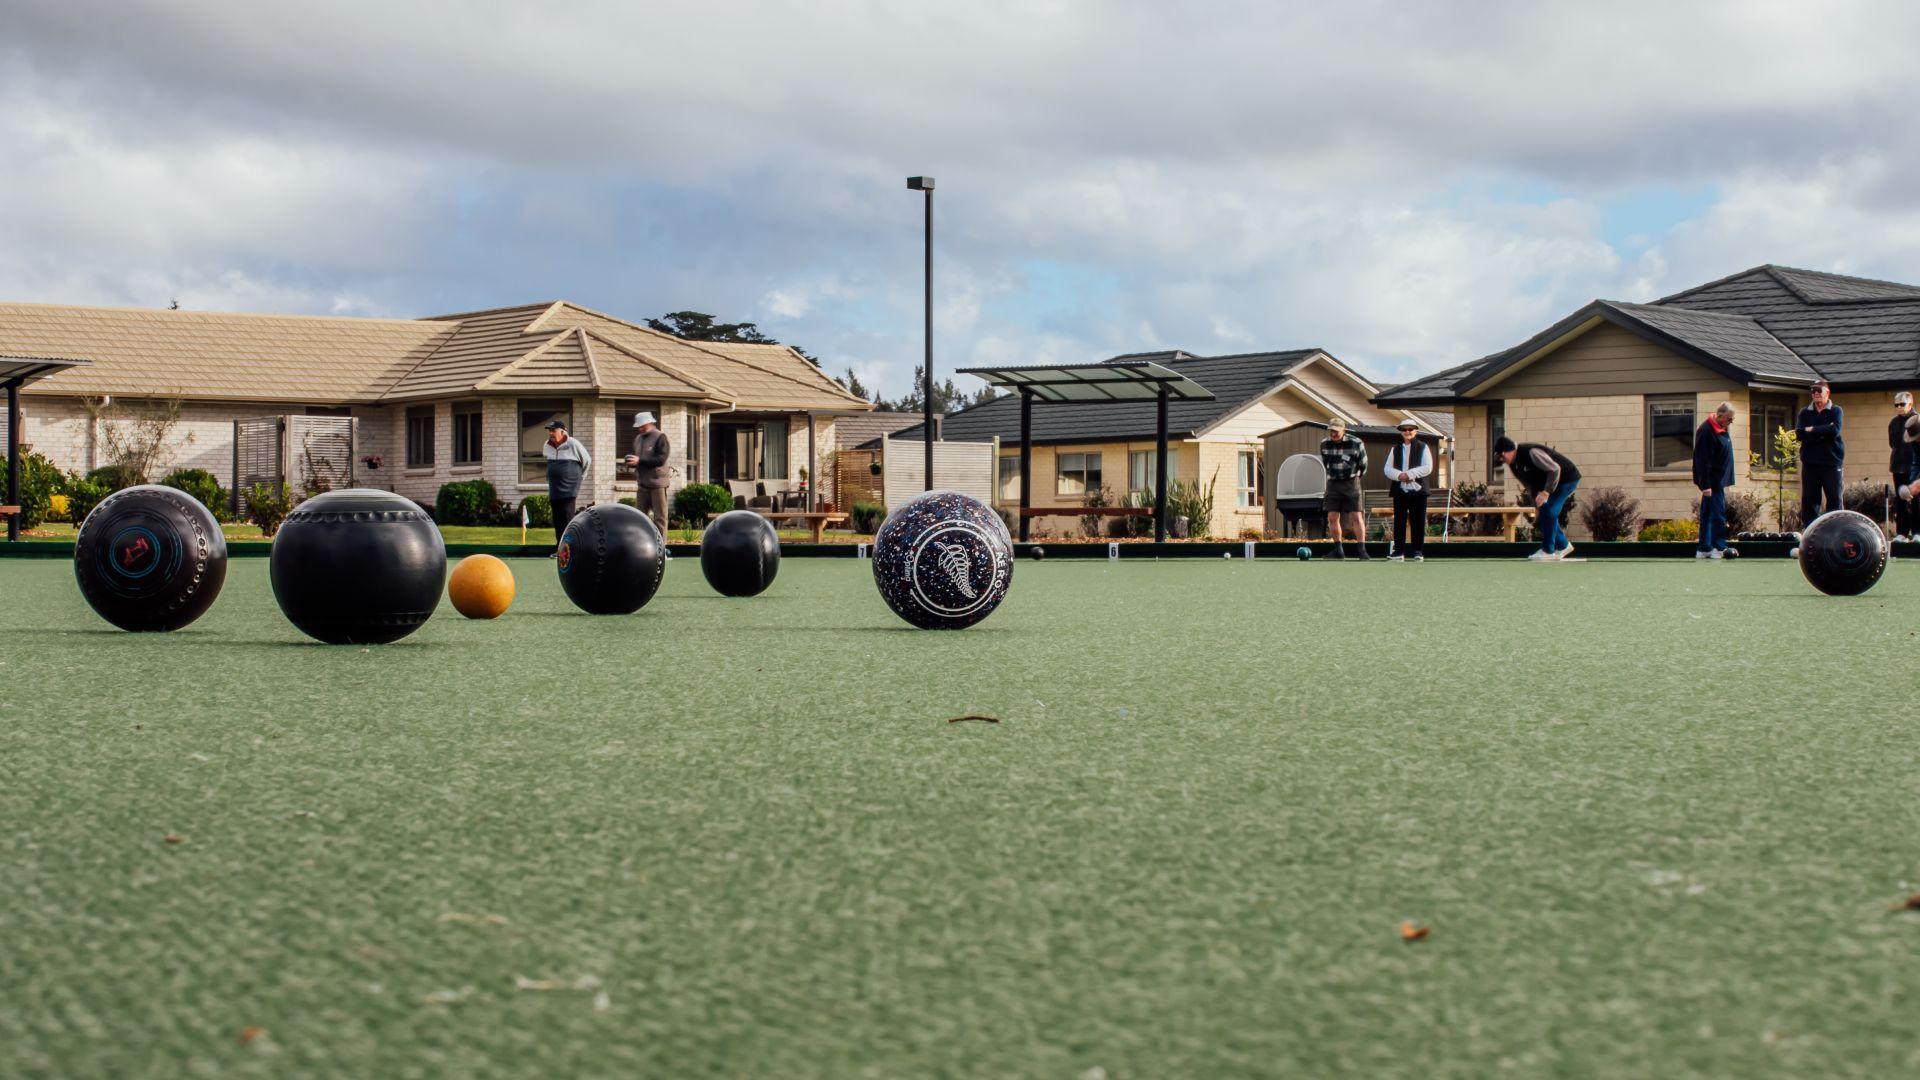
(1087, 384)
(16, 372)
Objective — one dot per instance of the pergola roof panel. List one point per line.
(1127, 381)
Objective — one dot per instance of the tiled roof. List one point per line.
(551, 347)
(1768, 323)
(1233, 380)
(852, 432)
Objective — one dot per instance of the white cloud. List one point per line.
(1215, 178)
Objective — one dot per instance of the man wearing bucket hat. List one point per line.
(649, 461)
(1408, 465)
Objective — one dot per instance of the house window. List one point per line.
(466, 433)
(420, 437)
(535, 415)
(1669, 433)
(773, 449)
(1142, 474)
(623, 433)
(1766, 415)
(1010, 478)
(1250, 488)
(1496, 427)
(1077, 474)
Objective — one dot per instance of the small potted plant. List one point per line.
(371, 461)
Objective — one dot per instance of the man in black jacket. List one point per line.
(1902, 464)
(649, 463)
(1822, 454)
(1549, 477)
(1713, 475)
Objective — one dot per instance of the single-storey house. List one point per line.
(1620, 387)
(1087, 448)
(451, 397)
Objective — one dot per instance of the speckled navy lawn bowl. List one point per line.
(943, 560)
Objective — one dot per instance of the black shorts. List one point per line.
(1342, 497)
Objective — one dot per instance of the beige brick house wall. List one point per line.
(62, 429)
(1182, 464)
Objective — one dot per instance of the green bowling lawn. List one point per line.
(1655, 816)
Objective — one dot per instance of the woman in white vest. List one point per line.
(1408, 465)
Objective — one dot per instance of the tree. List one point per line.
(857, 388)
(700, 326)
(947, 397)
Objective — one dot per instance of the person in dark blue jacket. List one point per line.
(1713, 475)
(1822, 453)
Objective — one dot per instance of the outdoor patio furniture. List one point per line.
(816, 521)
(1512, 516)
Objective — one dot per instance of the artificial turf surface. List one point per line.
(1654, 815)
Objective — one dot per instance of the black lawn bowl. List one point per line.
(358, 567)
(943, 561)
(1036, 553)
(150, 558)
(740, 553)
(610, 560)
(1843, 553)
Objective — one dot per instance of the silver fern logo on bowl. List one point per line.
(954, 567)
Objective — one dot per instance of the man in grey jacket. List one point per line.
(649, 461)
(567, 463)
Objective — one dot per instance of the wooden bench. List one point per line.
(816, 520)
(9, 511)
(1086, 511)
(1511, 524)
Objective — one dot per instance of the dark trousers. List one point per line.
(1816, 481)
(1713, 521)
(563, 511)
(1409, 521)
(1904, 514)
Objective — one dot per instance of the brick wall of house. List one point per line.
(62, 429)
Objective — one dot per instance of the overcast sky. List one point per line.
(1406, 185)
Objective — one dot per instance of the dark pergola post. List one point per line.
(1160, 467)
(13, 458)
(1026, 460)
(813, 465)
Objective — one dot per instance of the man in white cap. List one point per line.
(649, 461)
(1407, 468)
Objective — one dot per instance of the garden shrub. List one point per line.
(539, 510)
(1867, 497)
(867, 516)
(467, 502)
(83, 494)
(1609, 513)
(268, 505)
(39, 482)
(1473, 494)
(116, 476)
(59, 508)
(202, 485)
(1745, 511)
(695, 502)
(1193, 502)
(1683, 529)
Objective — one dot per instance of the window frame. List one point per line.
(1496, 427)
(1007, 483)
(419, 441)
(533, 466)
(1134, 457)
(468, 413)
(1758, 405)
(1649, 403)
(1249, 497)
(1089, 473)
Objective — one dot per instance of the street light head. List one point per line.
(920, 183)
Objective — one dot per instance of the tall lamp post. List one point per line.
(925, 183)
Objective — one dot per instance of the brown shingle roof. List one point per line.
(556, 346)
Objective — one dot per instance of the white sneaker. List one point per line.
(1396, 557)
(1417, 557)
(1563, 552)
(1699, 554)
(1716, 555)
(1540, 556)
